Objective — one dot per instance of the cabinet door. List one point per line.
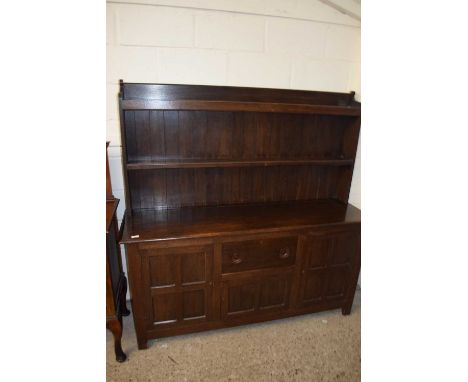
(179, 285)
(249, 296)
(326, 266)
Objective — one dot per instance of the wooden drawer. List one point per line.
(257, 254)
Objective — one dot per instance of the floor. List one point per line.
(315, 347)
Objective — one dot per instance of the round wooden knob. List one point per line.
(236, 259)
(284, 253)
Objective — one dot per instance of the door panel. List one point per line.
(344, 248)
(313, 285)
(194, 304)
(163, 270)
(316, 252)
(165, 308)
(193, 268)
(242, 298)
(337, 282)
(273, 293)
(178, 283)
(256, 295)
(326, 266)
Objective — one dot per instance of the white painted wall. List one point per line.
(291, 44)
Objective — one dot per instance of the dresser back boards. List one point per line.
(193, 145)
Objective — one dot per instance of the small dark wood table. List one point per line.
(116, 282)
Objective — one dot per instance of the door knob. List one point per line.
(236, 259)
(284, 253)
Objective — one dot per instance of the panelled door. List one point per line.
(178, 282)
(251, 296)
(326, 269)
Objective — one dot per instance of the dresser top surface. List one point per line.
(229, 94)
(203, 222)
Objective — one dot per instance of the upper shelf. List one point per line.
(229, 98)
(187, 163)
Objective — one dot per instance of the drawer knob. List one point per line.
(284, 253)
(236, 259)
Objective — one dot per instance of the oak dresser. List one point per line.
(237, 204)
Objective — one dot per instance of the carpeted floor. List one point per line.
(315, 347)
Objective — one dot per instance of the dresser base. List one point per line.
(190, 286)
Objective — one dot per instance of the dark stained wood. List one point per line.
(140, 300)
(172, 92)
(253, 163)
(263, 107)
(174, 188)
(116, 282)
(327, 266)
(168, 136)
(109, 195)
(115, 326)
(177, 283)
(111, 210)
(354, 275)
(259, 295)
(199, 222)
(213, 158)
(258, 254)
(237, 205)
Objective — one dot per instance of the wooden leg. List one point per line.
(115, 326)
(346, 310)
(135, 264)
(125, 311)
(142, 343)
(140, 332)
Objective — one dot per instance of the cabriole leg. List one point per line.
(125, 311)
(115, 326)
